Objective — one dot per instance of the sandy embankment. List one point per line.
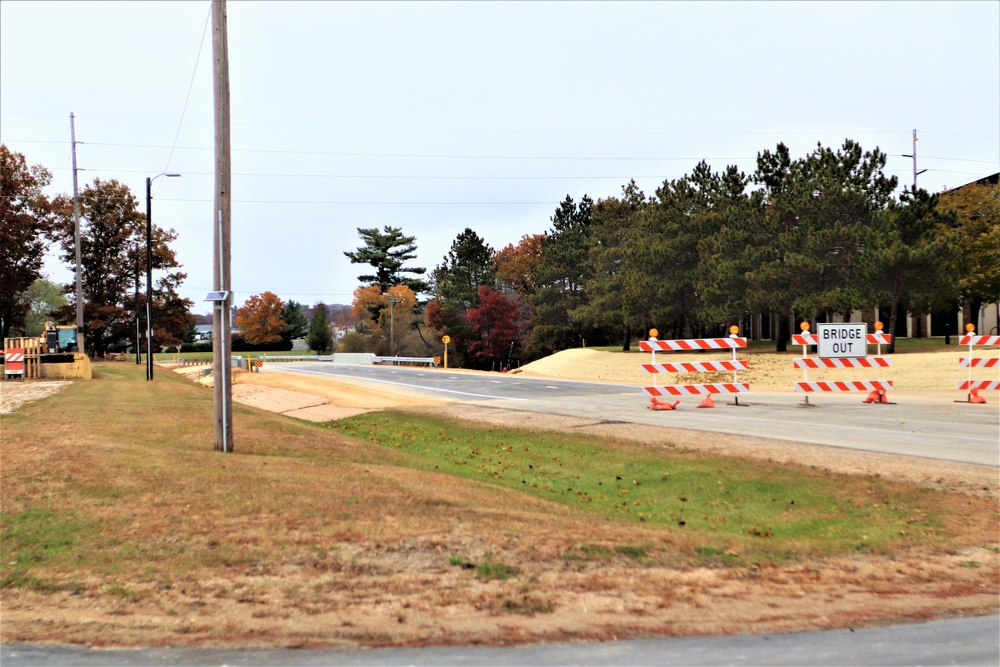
(312, 397)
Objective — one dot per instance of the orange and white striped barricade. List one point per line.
(733, 342)
(876, 388)
(973, 387)
(14, 362)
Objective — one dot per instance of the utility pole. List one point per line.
(221, 318)
(392, 324)
(76, 233)
(149, 279)
(914, 156)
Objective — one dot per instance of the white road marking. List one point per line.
(403, 384)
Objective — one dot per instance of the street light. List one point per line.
(138, 337)
(149, 272)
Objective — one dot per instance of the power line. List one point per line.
(411, 130)
(376, 203)
(375, 177)
(397, 155)
(187, 99)
(448, 156)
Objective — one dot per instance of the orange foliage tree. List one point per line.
(259, 319)
(516, 264)
(366, 306)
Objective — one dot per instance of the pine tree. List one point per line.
(320, 339)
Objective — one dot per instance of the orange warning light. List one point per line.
(970, 327)
(653, 333)
(804, 326)
(734, 329)
(878, 326)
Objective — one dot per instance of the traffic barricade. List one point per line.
(843, 345)
(973, 387)
(733, 342)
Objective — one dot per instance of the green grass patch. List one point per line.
(34, 536)
(779, 511)
(31, 539)
(631, 550)
(501, 571)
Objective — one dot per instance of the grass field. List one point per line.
(114, 505)
(770, 513)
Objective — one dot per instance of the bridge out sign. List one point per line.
(841, 341)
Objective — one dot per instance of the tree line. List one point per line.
(799, 238)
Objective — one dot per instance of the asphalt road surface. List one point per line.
(967, 641)
(914, 426)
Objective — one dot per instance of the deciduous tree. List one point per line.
(495, 329)
(25, 230)
(110, 228)
(976, 233)
(45, 297)
(259, 319)
(516, 265)
(367, 307)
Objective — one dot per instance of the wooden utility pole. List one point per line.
(221, 319)
(76, 234)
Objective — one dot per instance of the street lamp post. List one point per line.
(149, 271)
(138, 337)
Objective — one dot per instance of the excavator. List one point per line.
(55, 355)
(58, 338)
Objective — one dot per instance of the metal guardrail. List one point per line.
(392, 361)
(402, 361)
(236, 361)
(297, 357)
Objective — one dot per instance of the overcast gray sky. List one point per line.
(434, 117)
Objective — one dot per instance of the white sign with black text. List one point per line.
(842, 341)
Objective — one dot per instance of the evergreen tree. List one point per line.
(320, 339)
(386, 252)
(560, 279)
(909, 258)
(467, 266)
(296, 324)
(619, 260)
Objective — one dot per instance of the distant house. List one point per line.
(204, 331)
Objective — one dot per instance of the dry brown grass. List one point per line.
(304, 538)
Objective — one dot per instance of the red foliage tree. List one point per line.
(495, 326)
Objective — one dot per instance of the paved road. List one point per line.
(968, 641)
(915, 426)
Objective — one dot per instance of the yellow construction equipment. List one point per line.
(58, 338)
